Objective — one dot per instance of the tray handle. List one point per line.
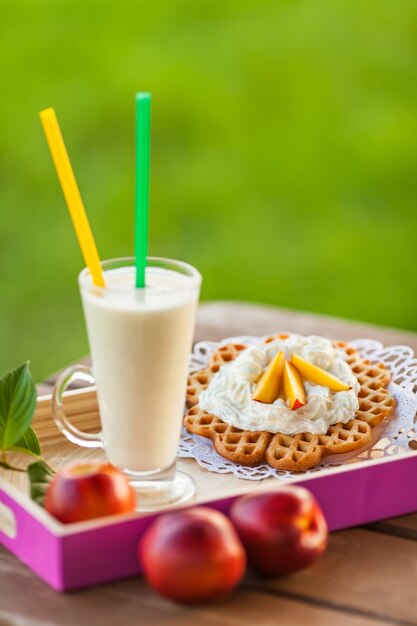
(8, 521)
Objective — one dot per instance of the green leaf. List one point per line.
(40, 476)
(17, 405)
(28, 443)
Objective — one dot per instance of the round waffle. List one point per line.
(291, 452)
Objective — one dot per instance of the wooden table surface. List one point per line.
(367, 576)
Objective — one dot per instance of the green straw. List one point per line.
(143, 125)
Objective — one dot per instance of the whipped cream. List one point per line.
(229, 394)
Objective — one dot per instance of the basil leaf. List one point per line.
(40, 476)
(27, 443)
(17, 405)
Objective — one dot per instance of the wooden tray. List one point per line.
(87, 553)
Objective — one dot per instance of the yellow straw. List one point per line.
(72, 195)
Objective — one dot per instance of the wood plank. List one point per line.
(43, 389)
(216, 320)
(361, 571)
(404, 526)
(132, 602)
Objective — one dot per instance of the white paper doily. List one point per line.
(393, 438)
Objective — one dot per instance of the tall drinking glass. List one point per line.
(140, 340)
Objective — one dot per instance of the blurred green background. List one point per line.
(284, 154)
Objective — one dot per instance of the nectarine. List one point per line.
(317, 375)
(294, 390)
(87, 490)
(192, 556)
(282, 531)
(267, 388)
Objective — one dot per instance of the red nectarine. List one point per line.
(87, 490)
(282, 531)
(192, 555)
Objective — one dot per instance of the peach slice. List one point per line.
(294, 391)
(267, 389)
(317, 375)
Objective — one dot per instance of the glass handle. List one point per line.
(73, 434)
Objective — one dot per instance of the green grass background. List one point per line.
(284, 154)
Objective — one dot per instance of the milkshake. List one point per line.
(140, 341)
